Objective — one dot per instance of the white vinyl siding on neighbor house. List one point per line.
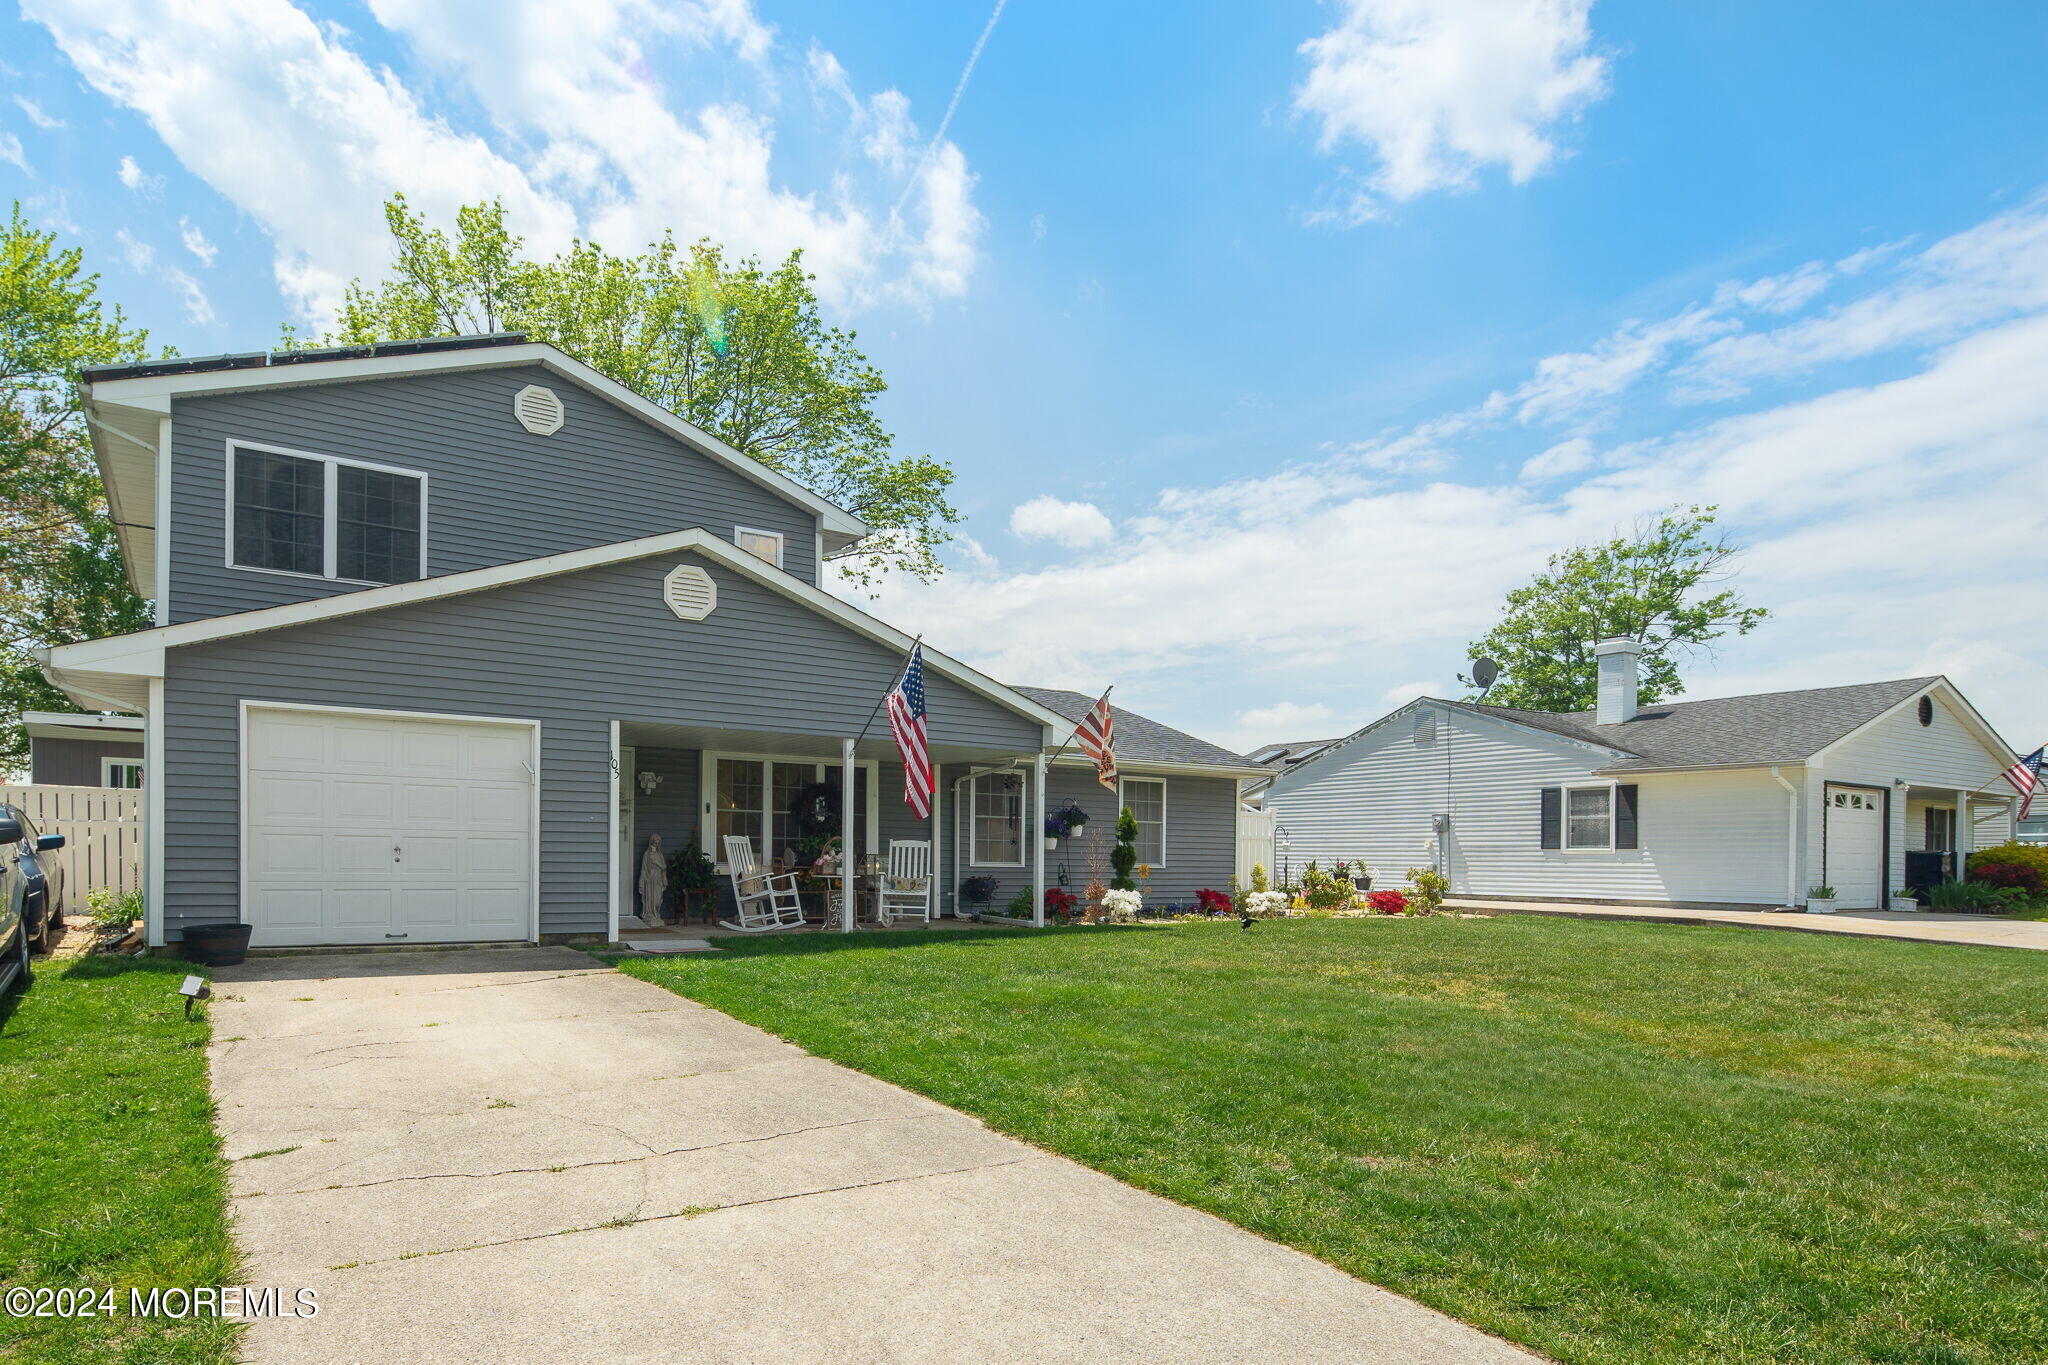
(1701, 836)
(1944, 754)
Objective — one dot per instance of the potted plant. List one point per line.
(1063, 823)
(1902, 903)
(978, 890)
(1820, 900)
(1061, 904)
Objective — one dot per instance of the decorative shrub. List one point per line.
(1427, 887)
(691, 867)
(1061, 903)
(1978, 898)
(1259, 877)
(1213, 902)
(2017, 876)
(108, 910)
(2017, 854)
(1121, 905)
(1266, 904)
(1019, 906)
(1387, 902)
(978, 890)
(1327, 890)
(1124, 856)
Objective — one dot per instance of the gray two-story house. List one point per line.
(446, 630)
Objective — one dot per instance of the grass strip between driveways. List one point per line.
(112, 1173)
(1611, 1142)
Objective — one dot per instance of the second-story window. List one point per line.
(761, 544)
(323, 516)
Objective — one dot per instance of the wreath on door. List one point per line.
(815, 811)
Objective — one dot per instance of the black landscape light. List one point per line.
(194, 988)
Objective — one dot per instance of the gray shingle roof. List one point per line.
(1138, 738)
(1763, 727)
(1292, 751)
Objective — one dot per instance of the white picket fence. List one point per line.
(1254, 842)
(102, 829)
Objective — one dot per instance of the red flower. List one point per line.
(1387, 902)
(1212, 902)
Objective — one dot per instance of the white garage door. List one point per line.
(1855, 850)
(375, 829)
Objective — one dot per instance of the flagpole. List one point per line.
(2001, 775)
(1077, 726)
(847, 870)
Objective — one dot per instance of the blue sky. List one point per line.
(1271, 343)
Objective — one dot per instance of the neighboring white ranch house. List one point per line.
(1743, 801)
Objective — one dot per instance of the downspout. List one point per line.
(1791, 838)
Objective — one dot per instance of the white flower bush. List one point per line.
(1266, 904)
(1121, 907)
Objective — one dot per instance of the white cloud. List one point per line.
(196, 243)
(1566, 457)
(1565, 386)
(1072, 524)
(10, 152)
(1291, 716)
(1438, 90)
(36, 113)
(134, 177)
(141, 258)
(283, 117)
(1777, 293)
(1400, 694)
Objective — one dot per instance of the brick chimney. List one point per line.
(1618, 681)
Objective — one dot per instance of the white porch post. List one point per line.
(1036, 833)
(938, 848)
(1964, 836)
(847, 869)
(611, 801)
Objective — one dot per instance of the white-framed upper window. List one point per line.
(1589, 817)
(995, 825)
(324, 516)
(760, 544)
(125, 773)
(1146, 799)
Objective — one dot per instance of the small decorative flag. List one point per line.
(907, 723)
(2025, 777)
(1096, 734)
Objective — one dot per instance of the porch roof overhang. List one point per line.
(115, 672)
(70, 725)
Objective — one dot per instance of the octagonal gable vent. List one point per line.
(538, 410)
(689, 592)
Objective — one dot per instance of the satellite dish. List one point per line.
(1484, 671)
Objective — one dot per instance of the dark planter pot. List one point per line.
(217, 945)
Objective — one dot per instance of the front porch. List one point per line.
(697, 786)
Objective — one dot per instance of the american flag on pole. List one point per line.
(1096, 736)
(907, 723)
(2025, 777)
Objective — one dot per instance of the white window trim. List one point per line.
(108, 767)
(1160, 782)
(1564, 834)
(707, 787)
(781, 542)
(330, 534)
(973, 805)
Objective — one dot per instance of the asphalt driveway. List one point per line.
(516, 1154)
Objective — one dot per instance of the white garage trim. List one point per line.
(246, 705)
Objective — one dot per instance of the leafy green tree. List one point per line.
(1124, 856)
(732, 346)
(1659, 586)
(60, 566)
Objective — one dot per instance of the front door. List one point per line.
(1855, 846)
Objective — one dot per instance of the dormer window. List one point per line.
(324, 516)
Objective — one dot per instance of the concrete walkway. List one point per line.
(517, 1155)
(1988, 931)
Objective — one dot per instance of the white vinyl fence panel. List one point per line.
(1254, 842)
(102, 829)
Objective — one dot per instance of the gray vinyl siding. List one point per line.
(572, 652)
(1201, 837)
(75, 762)
(495, 492)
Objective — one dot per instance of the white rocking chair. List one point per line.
(907, 884)
(765, 901)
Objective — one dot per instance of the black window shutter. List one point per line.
(1552, 821)
(1625, 816)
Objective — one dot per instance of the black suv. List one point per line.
(26, 899)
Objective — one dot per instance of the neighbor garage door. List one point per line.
(382, 829)
(1855, 847)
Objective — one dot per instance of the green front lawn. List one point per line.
(1610, 1142)
(112, 1175)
